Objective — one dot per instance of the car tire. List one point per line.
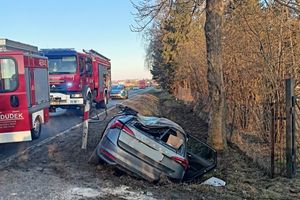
(126, 96)
(37, 127)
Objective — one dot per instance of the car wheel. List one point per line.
(36, 129)
(126, 96)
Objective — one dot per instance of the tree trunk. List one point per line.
(213, 33)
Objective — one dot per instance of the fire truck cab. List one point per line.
(24, 92)
(76, 77)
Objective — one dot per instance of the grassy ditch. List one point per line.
(60, 169)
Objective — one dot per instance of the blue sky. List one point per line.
(102, 25)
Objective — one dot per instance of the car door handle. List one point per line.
(14, 101)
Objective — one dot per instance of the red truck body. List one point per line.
(142, 84)
(76, 77)
(24, 93)
(101, 77)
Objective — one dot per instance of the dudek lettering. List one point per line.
(11, 116)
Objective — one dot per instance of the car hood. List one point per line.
(158, 122)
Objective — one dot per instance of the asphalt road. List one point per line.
(59, 122)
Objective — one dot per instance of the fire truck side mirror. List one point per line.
(14, 101)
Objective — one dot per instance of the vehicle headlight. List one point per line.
(69, 84)
(78, 95)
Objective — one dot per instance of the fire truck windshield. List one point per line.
(63, 65)
(8, 75)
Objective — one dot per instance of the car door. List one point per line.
(14, 116)
(201, 157)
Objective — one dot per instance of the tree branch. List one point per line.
(289, 4)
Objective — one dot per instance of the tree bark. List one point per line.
(213, 34)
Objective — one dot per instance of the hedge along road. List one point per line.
(59, 122)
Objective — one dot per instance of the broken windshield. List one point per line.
(63, 65)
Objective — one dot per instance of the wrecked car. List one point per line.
(152, 147)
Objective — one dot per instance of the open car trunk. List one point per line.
(202, 158)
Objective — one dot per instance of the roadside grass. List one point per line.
(244, 177)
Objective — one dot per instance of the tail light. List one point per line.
(182, 161)
(122, 127)
(107, 154)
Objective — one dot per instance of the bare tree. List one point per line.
(291, 4)
(147, 10)
(213, 33)
(260, 46)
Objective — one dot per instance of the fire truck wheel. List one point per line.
(90, 97)
(103, 103)
(37, 127)
(105, 100)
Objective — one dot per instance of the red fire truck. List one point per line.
(24, 92)
(76, 77)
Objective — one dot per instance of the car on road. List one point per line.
(151, 147)
(118, 91)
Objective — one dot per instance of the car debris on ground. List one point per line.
(213, 181)
(152, 147)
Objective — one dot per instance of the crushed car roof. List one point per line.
(157, 122)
